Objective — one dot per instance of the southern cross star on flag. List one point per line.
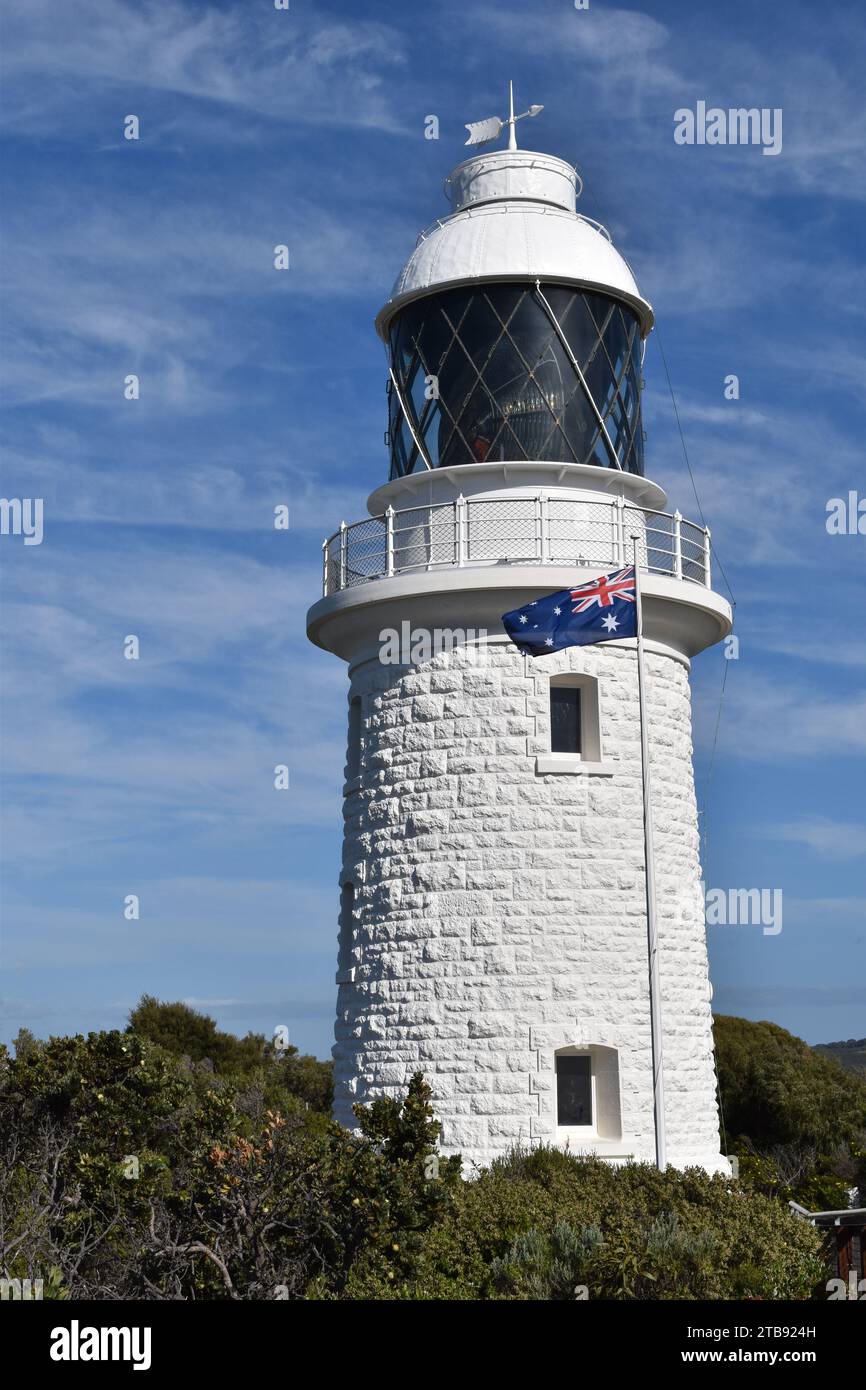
(600, 611)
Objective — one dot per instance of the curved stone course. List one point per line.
(499, 914)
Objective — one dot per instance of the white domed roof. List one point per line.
(515, 220)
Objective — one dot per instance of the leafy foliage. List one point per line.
(282, 1074)
(174, 1162)
(539, 1223)
(796, 1118)
(850, 1054)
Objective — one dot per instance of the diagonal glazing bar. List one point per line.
(618, 377)
(419, 445)
(531, 372)
(575, 364)
(479, 377)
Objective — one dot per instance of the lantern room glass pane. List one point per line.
(483, 375)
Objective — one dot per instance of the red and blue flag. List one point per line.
(602, 610)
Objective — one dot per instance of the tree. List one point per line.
(93, 1131)
(127, 1173)
(275, 1076)
(797, 1118)
(185, 1032)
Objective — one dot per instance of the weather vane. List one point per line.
(482, 132)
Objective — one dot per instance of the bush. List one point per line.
(280, 1076)
(796, 1119)
(537, 1224)
(129, 1173)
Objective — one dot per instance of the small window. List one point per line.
(573, 1090)
(574, 725)
(588, 1108)
(353, 753)
(565, 718)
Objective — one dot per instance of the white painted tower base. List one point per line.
(499, 913)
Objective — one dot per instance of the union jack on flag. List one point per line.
(603, 591)
(601, 610)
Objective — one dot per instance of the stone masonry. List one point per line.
(499, 915)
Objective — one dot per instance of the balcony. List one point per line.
(476, 532)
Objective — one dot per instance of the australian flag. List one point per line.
(599, 611)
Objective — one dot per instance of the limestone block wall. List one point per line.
(497, 915)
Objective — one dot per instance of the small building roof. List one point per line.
(846, 1216)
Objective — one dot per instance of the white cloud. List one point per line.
(829, 839)
(768, 719)
(76, 324)
(263, 62)
(184, 740)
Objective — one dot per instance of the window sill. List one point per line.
(572, 765)
(579, 1142)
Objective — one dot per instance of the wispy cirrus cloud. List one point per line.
(266, 62)
(75, 325)
(637, 69)
(827, 838)
(767, 720)
(306, 127)
(188, 735)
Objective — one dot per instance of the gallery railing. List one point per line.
(517, 531)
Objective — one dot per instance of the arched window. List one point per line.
(574, 717)
(565, 721)
(574, 1089)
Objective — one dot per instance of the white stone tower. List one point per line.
(493, 909)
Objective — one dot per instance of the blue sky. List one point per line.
(258, 387)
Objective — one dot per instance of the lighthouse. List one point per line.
(502, 928)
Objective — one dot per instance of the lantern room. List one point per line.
(515, 330)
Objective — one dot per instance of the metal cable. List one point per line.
(711, 765)
(657, 336)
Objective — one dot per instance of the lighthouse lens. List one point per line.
(489, 375)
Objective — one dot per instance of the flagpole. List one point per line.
(649, 868)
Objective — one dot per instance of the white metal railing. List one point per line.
(515, 530)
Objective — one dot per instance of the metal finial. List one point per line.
(482, 132)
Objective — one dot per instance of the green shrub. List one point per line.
(237, 1198)
(537, 1224)
(795, 1119)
